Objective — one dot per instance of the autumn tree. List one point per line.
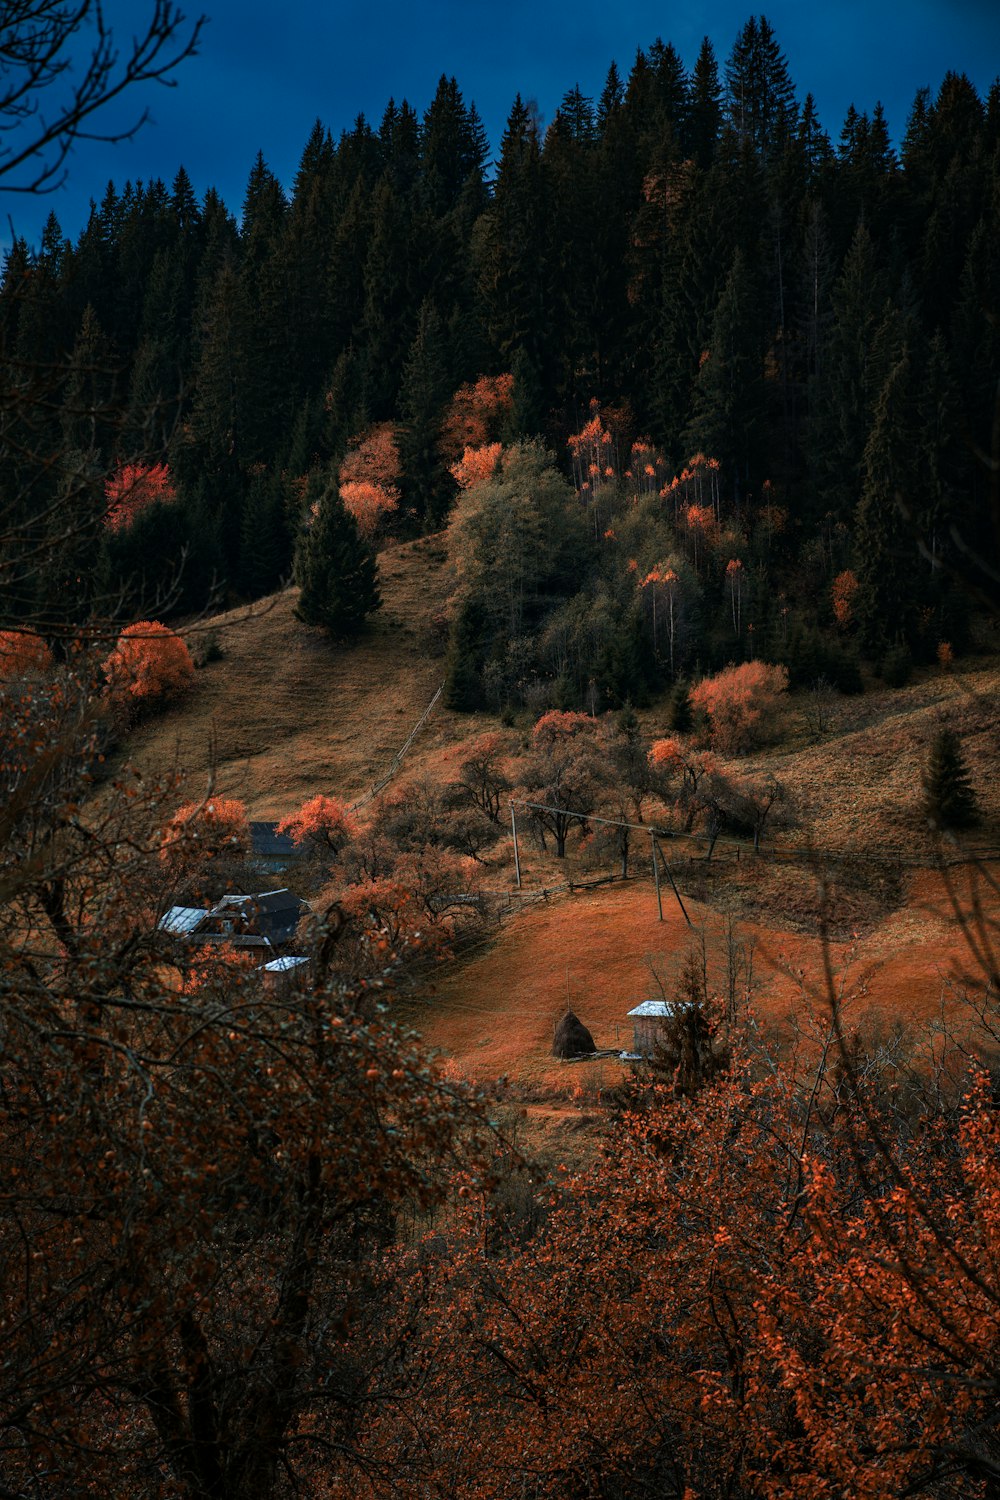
(204, 851)
(132, 489)
(149, 666)
(563, 774)
(369, 478)
(324, 823)
(741, 704)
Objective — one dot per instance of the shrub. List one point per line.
(22, 654)
(897, 666)
(741, 703)
(149, 665)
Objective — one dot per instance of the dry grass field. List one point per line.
(285, 714)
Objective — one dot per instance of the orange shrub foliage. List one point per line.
(133, 489)
(149, 664)
(945, 655)
(373, 458)
(216, 826)
(556, 725)
(22, 654)
(368, 503)
(845, 586)
(326, 822)
(740, 703)
(476, 413)
(476, 464)
(369, 477)
(666, 753)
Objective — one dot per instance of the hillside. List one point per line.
(286, 715)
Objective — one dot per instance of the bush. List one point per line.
(149, 665)
(897, 666)
(741, 704)
(22, 654)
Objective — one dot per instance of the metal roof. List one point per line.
(181, 920)
(282, 965)
(663, 1008)
(265, 840)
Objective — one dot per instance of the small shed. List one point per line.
(290, 972)
(571, 1038)
(651, 1023)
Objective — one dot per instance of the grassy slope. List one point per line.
(286, 714)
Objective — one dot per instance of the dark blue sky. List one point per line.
(265, 72)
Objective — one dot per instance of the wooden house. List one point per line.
(650, 1024)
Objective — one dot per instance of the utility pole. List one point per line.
(656, 872)
(517, 858)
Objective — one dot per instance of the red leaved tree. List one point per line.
(741, 704)
(476, 414)
(134, 488)
(369, 478)
(476, 465)
(149, 665)
(325, 824)
(843, 591)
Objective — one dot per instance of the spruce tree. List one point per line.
(949, 798)
(426, 483)
(335, 570)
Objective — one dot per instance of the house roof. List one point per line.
(266, 841)
(179, 921)
(283, 965)
(276, 913)
(664, 1008)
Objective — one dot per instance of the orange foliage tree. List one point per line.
(326, 823)
(369, 478)
(149, 665)
(741, 703)
(23, 653)
(214, 825)
(476, 465)
(476, 414)
(698, 484)
(133, 489)
(843, 591)
(753, 1293)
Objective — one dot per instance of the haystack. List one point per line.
(571, 1038)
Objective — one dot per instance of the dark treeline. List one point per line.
(692, 250)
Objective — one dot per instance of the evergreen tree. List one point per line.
(335, 570)
(729, 395)
(426, 484)
(949, 798)
(265, 544)
(705, 110)
(886, 544)
(760, 96)
(510, 246)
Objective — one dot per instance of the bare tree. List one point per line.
(61, 66)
